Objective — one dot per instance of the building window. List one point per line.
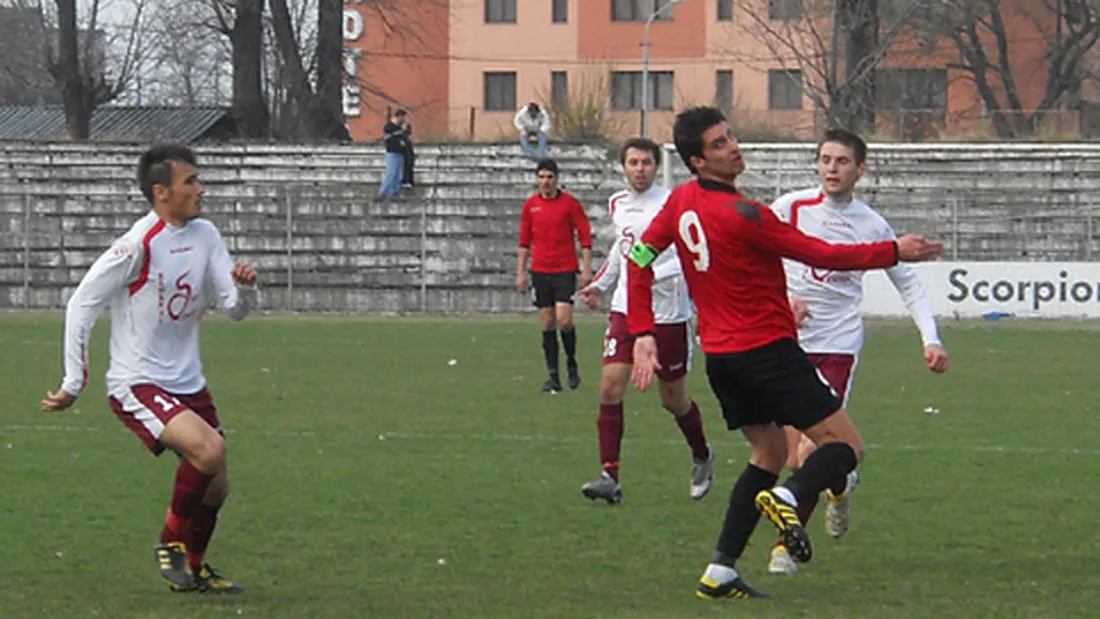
(500, 91)
(626, 90)
(911, 89)
(725, 10)
(784, 90)
(784, 9)
(559, 11)
(500, 11)
(723, 90)
(559, 89)
(639, 10)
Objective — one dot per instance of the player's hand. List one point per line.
(590, 296)
(916, 248)
(586, 278)
(935, 357)
(801, 311)
(243, 274)
(57, 401)
(645, 361)
(521, 282)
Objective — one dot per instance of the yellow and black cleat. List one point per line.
(172, 560)
(785, 518)
(210, 581)
(736, 588)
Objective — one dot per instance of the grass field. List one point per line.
(372, 479)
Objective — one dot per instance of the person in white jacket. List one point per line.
(158, 279)
(827, 303)
(531, 120)
(632, 211)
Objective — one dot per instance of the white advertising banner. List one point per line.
(995, 289)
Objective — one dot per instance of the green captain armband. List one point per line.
(642, 254)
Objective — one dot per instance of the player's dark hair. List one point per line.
(547, 164)
(155, 166)
(641, 144)
(847, 138)
(687, 131)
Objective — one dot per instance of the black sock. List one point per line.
(569, 342)
(550, 350)
(741, 515)
(825, 466)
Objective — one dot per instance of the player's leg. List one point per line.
(163, 422)
(565, 285)
(781, 561)
(610, 423)
(544, 301)
(741, 411)
(674, 353)
(205, 519)
(839, 371)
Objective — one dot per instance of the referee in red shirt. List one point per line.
(547, 226)
(731, 249)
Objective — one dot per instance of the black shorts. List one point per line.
(550, 288)
(775, 383)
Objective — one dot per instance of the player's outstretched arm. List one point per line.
(112, 272)
(234, 284)
(639, 316)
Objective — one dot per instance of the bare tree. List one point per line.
(836, 45)
(314, 92)
(242, 22)
(983, 33)
(190, 63)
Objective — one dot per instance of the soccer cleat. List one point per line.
(552, 385)
(574, 377)
(702, 475)
(785, 518)
(605, 487)
(209, 580)
(781, 562)
(737, 588)
(172, 559)
(838, 514)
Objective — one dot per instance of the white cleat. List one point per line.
(838, 513)
(781, 562)
(702, 475)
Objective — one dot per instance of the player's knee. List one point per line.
(611, 390)
(565, 323)
(209, 454)
(858, 447)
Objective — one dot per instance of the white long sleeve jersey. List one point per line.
(158, 279)
(632, 214)
(835, 324)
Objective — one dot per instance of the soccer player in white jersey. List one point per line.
(827, 303)
(632, 210)
(158, 279)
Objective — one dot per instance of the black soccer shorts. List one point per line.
(550, 288)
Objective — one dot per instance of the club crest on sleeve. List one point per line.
(746, 208)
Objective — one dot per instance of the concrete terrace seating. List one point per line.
(308, 216)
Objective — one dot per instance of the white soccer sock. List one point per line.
(720, 573)
(786, 495)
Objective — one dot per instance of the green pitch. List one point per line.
(371, 478)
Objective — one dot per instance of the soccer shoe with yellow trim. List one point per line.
(785, 518)
(838, 513)
(710, 589)
(781, 561)
(702, 476)
(172, 560)
(208, 580)
(604, 487)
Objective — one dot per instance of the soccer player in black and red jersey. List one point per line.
(731, 249)
(546, 235)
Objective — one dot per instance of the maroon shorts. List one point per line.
(146, 408)
(673, 346)
(838, 370)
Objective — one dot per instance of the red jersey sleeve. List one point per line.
(581, 224)
(768, 232)
(525, 225)
(639, 297)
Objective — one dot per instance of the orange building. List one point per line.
(470, 64)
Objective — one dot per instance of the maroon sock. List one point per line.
(806, 509)
(838, 487)
(691, 425)
(191, 485)
(201, 530)
(610, 425)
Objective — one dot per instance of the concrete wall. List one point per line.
(307, 217)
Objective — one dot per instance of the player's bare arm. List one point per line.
(521, 268)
